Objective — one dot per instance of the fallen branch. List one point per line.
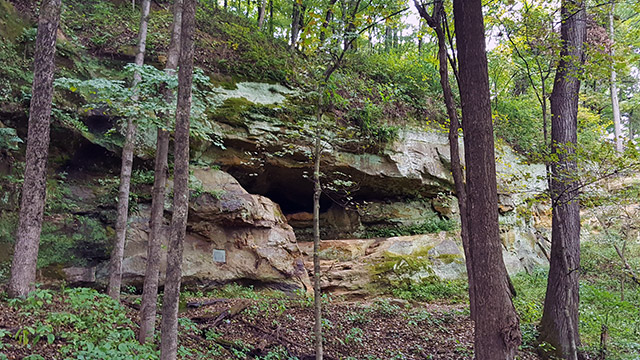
(225, 315)
(198, 304)
(275, 336)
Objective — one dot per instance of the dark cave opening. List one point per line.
(296, 202)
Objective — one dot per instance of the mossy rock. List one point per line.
(232, 112)
(11, 23)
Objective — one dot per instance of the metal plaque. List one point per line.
(219, 256)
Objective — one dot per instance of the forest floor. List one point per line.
(82, 323)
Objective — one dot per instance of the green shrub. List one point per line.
(433, 289)
(430, 226)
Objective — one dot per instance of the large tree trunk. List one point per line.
(435, 22)
(150, 288)
(23, 267)
(497, 329)
(615, 106)
(115, 266)
(169, 331)
(559, 324)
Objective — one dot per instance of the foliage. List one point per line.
(79, 241)
(238, 50)
(145, 103)
(600, 304)
(432, 225)
(9, 139)
(14, 79)
(520, 124)
(432, 289)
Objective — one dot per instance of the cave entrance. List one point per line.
(298, 201)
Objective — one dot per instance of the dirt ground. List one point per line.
(282, 328)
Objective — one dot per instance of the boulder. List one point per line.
(231, 236)
(79, 275)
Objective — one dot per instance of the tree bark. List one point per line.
(271, 17)
(497, 329)
(261, 14)
(435, 22)
(169, 331)
(387, 39)
(295, 24)
(150, 288)
(23, 267)
(317, 191)
(327, 19)
(615, 106)
(115, 266)
(559, 324)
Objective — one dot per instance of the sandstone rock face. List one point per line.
(272, 158)
(356, 267)
(231, 236)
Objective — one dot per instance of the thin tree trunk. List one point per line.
(497, 328)
(115, 266)
(559, 324)
(150, 287)
(295, 24)
(317, 191)
(23, 267)
(435, 22)
(271, 17)
(327, 19)
(387, 39)
(169, 340)
(261, 14)
(615, 106)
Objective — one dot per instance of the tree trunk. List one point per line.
(317, 191)
(615, 106)
(387, 39)
(295, 24)
(169, 340)
(150, 288)
(115, 266)
(559, 324)
(435, 22)
(271, 17)
(497, 329)
(23, 267)
(327, 19)
(261, 14)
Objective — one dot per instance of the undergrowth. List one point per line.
(602, 303)
(433, 225)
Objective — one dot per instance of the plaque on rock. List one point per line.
(219, 256)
